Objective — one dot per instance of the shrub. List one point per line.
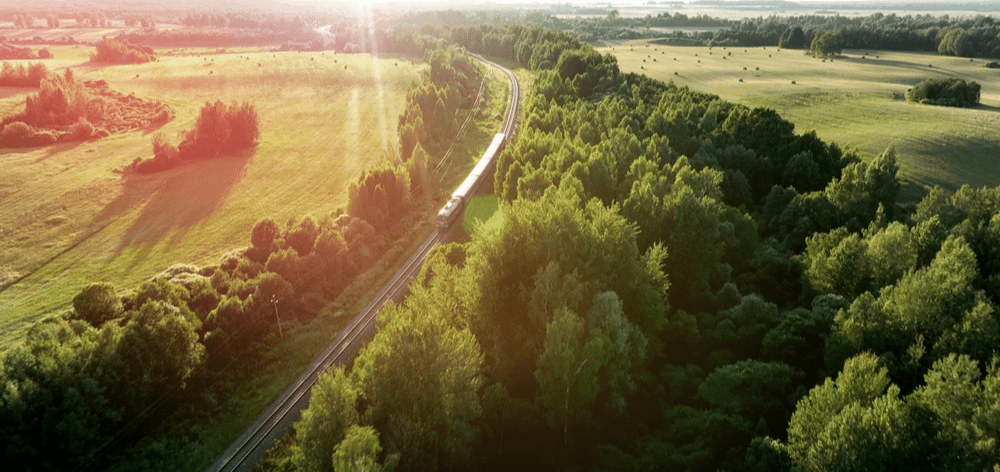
(221, 129)
(97, 303)
(952, 92)
(81, 131)
(264, 233)
(20, 134)
(122, 52)
(992, 65)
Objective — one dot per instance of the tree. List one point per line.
(858, 422)
(794, 38)
(827, 43)
(358, 452)
(157, 353)
(326, 422)
(420, 377)
(567, 371)
(952, 92)
(97, 303)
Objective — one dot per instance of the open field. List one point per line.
(853, 101)
(66, 219)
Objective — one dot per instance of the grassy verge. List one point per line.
(481, 212)
(855, 100)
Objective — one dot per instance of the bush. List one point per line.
(221, 129)
(122, 52)
(97, 303)
(992, 65)
(951, 92)
(19, 134)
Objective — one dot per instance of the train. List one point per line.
(446, 217)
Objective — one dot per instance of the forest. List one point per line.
(679, 283)
(676, 283)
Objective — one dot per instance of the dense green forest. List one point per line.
(679, 283)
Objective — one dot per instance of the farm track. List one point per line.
(280, 415)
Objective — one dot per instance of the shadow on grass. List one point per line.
(175, 200)
(59, 147)
(984, 107)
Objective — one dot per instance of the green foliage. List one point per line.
(221, 130)
(793, 38)
(122, 52)
(97, 303)
(827, 43)
(264, 234)
(158, 351)
(358, 452)
(326, 422)
(420, 378)
(567, 371)
(379, 195)
(951, 92)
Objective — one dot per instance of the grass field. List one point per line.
(66, 219)
(482, 210)
(854, 101)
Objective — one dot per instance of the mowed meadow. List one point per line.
(67, 219)
(855, 100)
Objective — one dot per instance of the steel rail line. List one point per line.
(250, 447)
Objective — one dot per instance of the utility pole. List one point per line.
(275, 302)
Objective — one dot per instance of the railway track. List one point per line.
(243, 454)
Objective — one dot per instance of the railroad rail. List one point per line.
(243, 454)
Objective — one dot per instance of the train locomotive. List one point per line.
(460, 198)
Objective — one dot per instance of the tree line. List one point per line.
(10, 51)
(961, 36)
(679, 282)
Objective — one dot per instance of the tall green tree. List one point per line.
(567, 372)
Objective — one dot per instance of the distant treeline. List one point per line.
(966, 37)
(9, 51)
